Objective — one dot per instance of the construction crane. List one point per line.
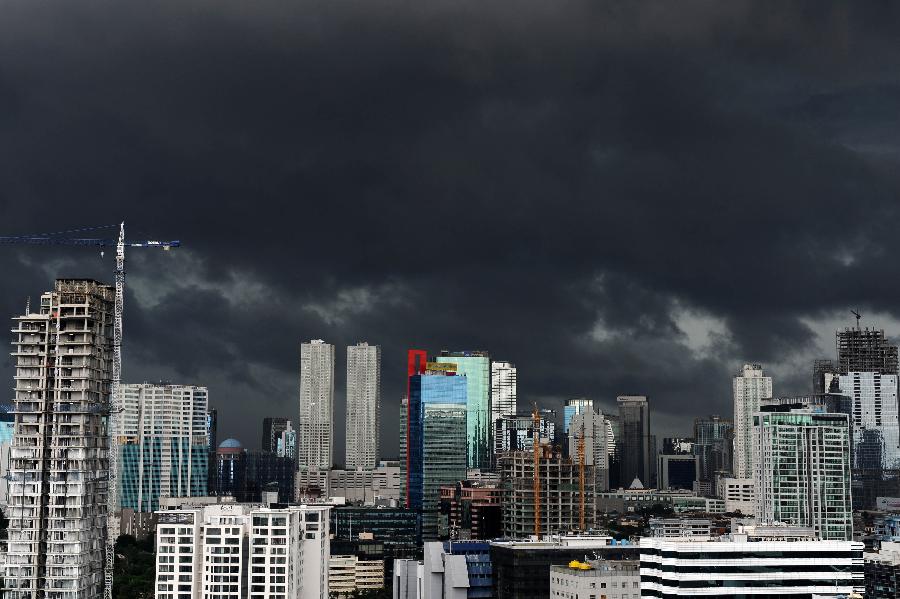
(115, 402)
(536, 435)
(581, 477)
(857, 315)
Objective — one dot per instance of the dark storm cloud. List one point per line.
(620, 197)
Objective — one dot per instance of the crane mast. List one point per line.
(536, 435)
(581, 477)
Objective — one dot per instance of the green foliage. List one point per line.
(383, 593)
(135, 568)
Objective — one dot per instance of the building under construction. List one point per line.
(560, 493)
(865, 350)
(59, 455)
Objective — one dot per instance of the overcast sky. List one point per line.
(619, 197)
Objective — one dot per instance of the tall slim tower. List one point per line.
(59, 464)
(503, 390)
(750, 386)
(363, 405)
(635, 443)
(163, 444)
(315, 424)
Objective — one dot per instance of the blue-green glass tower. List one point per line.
(476, 367)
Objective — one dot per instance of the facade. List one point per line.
(363, 405)
(470, 511)
(315, 426)
(560, 501)
(437, 441)
(882, 570)
(678, 471)
(246, 475)
(678, 528)
(369, 487)
(521, 569)
(7, 428)
(713, 446)
(349, 573)
(865, 350)
(741, 566)
(635, 499)
(516, 432)
(476, 367)
(286, 446)
(163, 441)
(242, 551)
(504, 391)
(738, 495)
(802, 471)
(749, 386)
(596, 578)
(212, 443)
(272, 428)
(374, 534)
(634, 442)
(594, 428)
(58, 458)
(575, 406)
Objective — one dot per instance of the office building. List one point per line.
(349, 573)
(594, 428)
(713, 446)
(363, 405)
(516, 432)
(596, 578)
(242, 551)
(560, 500)
(376, 533)
(437, 441)
(749, 386)
(634, 446)
(163, 441)
(272, 428)
(882, 572)
(315, 426)
(471, 511)
(677, 471)
(738, 495)
(286, 446)
(58, 459)
(369, 487)
(637, 498)
(679, 528)
(476, 368)
(742, 565)
(503, 390)
(246, 475)
(802, 470)
(521, 569)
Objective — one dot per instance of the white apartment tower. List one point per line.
(243, 551)
(503, 390)
(58, 472)
(750, 386)
(363, 405)
(315, 426)
(163, 449)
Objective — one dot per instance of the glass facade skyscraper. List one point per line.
(476, 367)
(437, 441)
(634, 442)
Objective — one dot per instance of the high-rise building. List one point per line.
(516, 432)
(7, 428)
(58, 460)
(272, 428)
(503, 390)
(212, 443)
(802, 470)
(363, 405)
(286, 446)
(750, 386)
(575, 406)
(162, 441)
(476, 367)
(865, 350)
(560, 500)
(634, 447)
(593, 427)
(315, 426)
(713, 446)
(241, 551)
(471, 510)
(437, 441)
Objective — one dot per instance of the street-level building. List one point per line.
(596, 578)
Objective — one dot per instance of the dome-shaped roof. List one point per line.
(230, 444)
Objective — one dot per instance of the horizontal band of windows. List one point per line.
(769, 569)
(780, 583)
(742, 555)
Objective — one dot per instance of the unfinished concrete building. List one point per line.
(864, 350)
(560, 493)
(59, 464)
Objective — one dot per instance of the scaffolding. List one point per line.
(865, 350)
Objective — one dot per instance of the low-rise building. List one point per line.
(349, 573)
(737, 494)
(596, 578)
(636, 498)
(368, 487)
(677, 528)
(882, 570)
(704, 505)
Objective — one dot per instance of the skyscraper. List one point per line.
(59, 470)
(713, 446)
(476, 367)
(272, 427)
(865, 350)
(575, 406)
(634, 442)
(750, 386)
(503, 390)
(162, 444)
(802, 470)
(437, 441)
(363, 405)
(593, 427)
(315, 425)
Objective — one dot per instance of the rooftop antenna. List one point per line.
(857, 315)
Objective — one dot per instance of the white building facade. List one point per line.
(876, 427)
(738, 495)
(315, 426)
(503, 390)
(613, 579)
(363, 405)
(749, 386)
